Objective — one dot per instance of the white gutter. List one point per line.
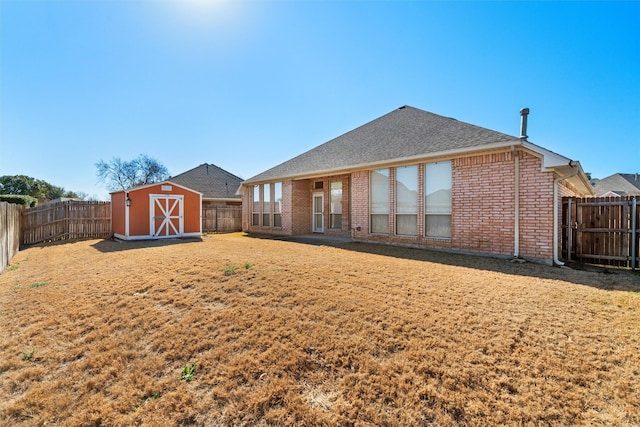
(448, 154)
(556, 181)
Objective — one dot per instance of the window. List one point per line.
(407, 200)
(437, 200)
(266, 205)
(336, 205)
(277, 204)
(256, 205)
(379, 201)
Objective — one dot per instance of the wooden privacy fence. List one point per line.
(65, 221)
(10, 217)
(221, 219)
(602, 230)
(92, 220)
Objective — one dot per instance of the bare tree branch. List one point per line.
(121, 175)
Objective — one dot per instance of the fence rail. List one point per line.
(221, 219)
(603, 230)
(10, 217)
(65, 221)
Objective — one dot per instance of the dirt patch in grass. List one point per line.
(283, 333)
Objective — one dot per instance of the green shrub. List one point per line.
(27, 201)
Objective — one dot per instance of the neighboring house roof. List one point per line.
(213, 182)
(406, 134)
(618, 184)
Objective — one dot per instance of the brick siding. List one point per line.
(483, 207)
(483, 214)
(297, 197)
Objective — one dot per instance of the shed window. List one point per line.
(379, 201)
(437, 200)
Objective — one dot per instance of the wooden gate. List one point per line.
(221, 219)
(602, 230)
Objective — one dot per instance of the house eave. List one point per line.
(448, 154)
(551, 162)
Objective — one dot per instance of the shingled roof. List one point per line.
(213, 182)
(404, 133)
(623, 184)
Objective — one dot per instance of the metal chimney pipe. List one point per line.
(523, 123)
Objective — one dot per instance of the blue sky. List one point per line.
(247, 85)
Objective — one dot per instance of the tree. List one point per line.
(27, 186)
(118, 174)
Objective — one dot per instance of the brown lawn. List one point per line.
(283, 333)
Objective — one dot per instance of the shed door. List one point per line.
(167, 215)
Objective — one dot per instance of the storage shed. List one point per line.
(156, 211)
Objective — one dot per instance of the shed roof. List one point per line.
(155, 184)
(212, 181)
(403, 133)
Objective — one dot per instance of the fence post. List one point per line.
(634, 226)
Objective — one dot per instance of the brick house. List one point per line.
(418, 179)
(218, 187)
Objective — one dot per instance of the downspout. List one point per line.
(524, 114)
(516, 201)
(556, 181)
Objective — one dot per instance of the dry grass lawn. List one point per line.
(282, 333)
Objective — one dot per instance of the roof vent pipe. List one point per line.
(523, 123)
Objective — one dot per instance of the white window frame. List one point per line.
(406, 206)
(335, 203)
(277, 204)
(255, 211)
(441, 208)
(266, 205)
(379, 205)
